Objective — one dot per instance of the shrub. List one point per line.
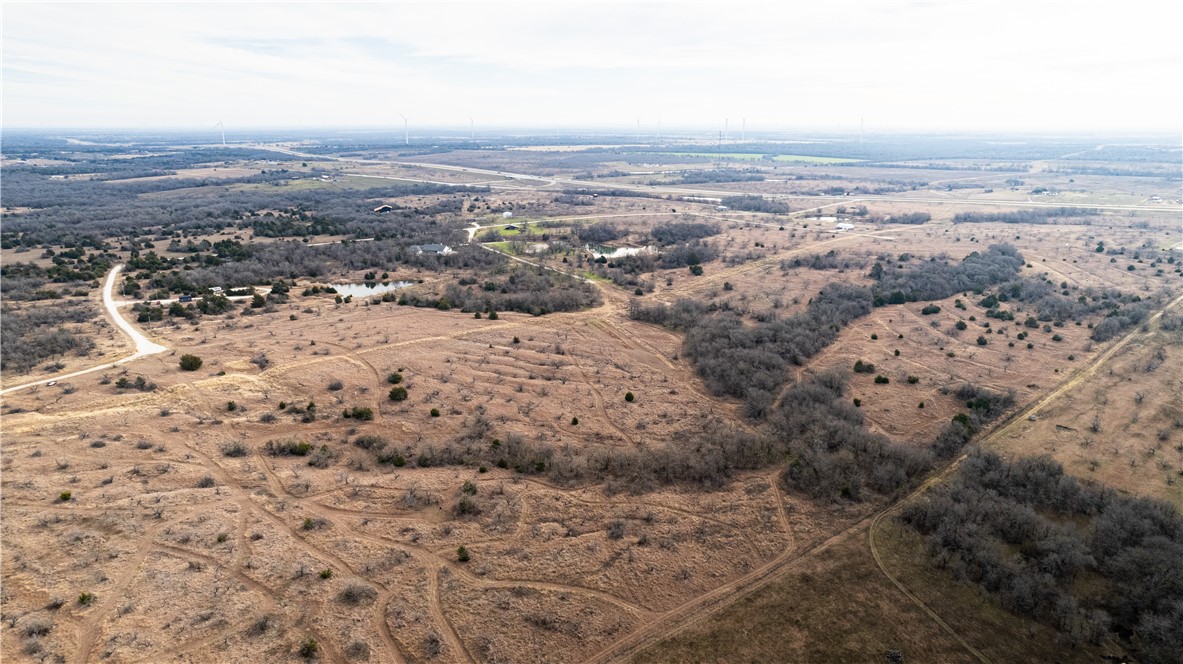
(309, 649)
(912, 380)
(516, 340)
(190, 363)
(314, 524)
(85, 598)
(206, 482)
(982, 340)
(231, 406)
(462, 554)
(435, 412)
(468, 488)
(574, 421)
(394, 378)
(628, 396)
(235, 449)
(336, 385)
(363, 413)
(961, 325)
(398, 394)
(467, 507)
(64, 496)
(696, 270)
(863, 367)
(930, 309)
(882, 380)
(356, 593)
(326, 573)
(287, 448)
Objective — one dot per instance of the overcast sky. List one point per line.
(1028, 66)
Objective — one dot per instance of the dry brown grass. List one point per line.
(182, 569)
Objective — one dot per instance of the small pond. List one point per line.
(370, 288)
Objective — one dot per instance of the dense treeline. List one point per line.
(751, 362)
(515, 288)
(70, 211)
(31, 335)
(752, 203)
(675, 232)
(599, 232)
(911, 218)
(900, 282)
(715, 175)
(1079, 557)
(832, 455)
(831, 260)
(1044, 216)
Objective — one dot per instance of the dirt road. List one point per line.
(143, 345)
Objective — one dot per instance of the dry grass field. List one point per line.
(278, 503)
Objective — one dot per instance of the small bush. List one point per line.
(309, 649)
(467, 507)
(85, 599)
(882, 380)
(628, 396)
(930, 309)
(982, 340)
(961, 325)
(574, 421)
(65, 496)
(190, 363)
(398, 394)
(336, 385)
(206, 482)
(326, 573)
(287, 448)
(394, 378)
(912, 380)
(863, 367)
(235, 449)
(314, 524)
(363, 413)
(435, 412)
(356, 593)
(462, 554)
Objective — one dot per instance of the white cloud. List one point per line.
(1003, 65)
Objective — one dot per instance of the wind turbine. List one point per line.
(219, 124)
(472, 127)
(406, 130)
(743, 133)
(726, 122)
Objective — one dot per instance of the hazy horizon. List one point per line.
(1017, 68)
